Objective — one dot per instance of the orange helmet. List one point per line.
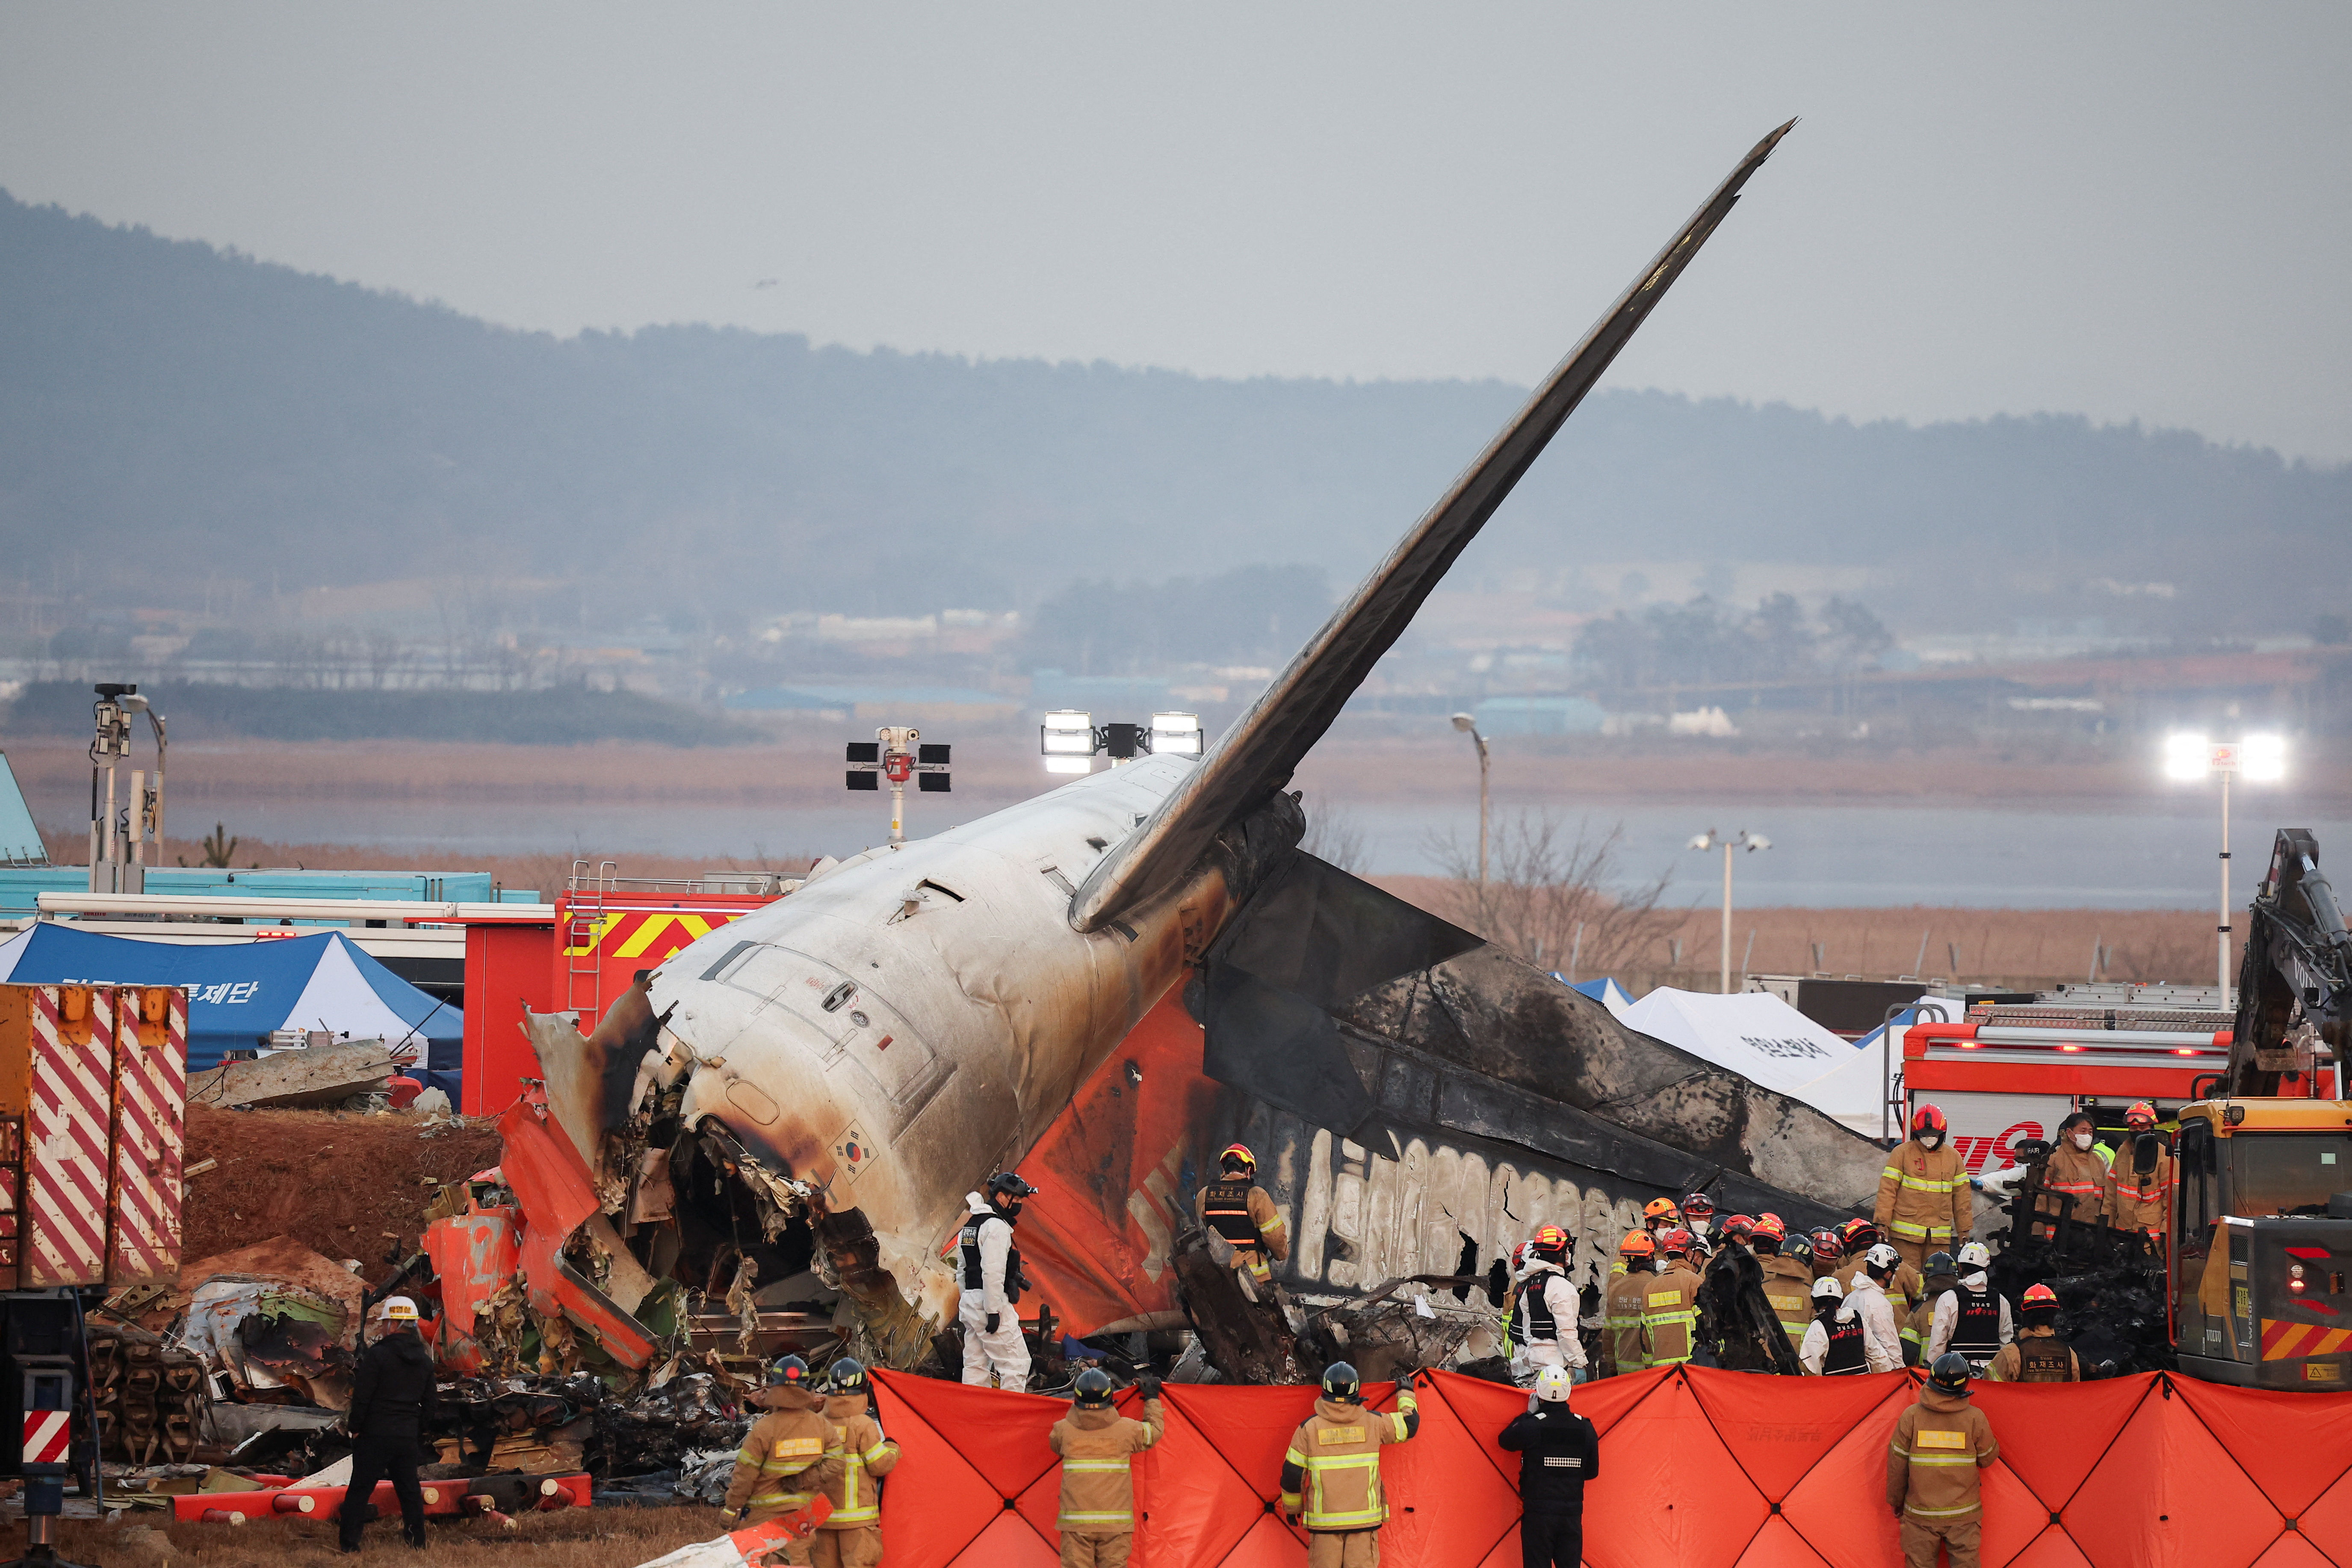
(1676, 1241)
(1238, 1154)
(1549, 1239)
(2039, 1296)
(2141, 1117)
(1929, 1119)
(1662, 1208)
(1771, 1226)
(1637, 1244)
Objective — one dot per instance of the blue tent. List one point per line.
(239, 991)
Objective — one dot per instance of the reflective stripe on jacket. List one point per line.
(1097, 1448)
(865, 1455)
(1932, 1462)
(1620, 1341)
(1670, 1317)
(781, 1444)
(1789, 1291)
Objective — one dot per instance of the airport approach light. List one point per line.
(2259, 758)
(1071, 740)
(897, 753)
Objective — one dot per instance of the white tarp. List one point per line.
(1766, 1041)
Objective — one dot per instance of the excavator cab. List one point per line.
(2259, 1268)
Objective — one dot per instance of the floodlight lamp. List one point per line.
(1703, 840)
(2187, 755)
(1465, 723)
(1069, 764)
(2262, 758)
(1067, 733)
(1757, 841)
(1175, 735)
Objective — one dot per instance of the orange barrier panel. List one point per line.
(1698, 1468)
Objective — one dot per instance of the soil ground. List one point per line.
(344, 1185)
(598, 1538)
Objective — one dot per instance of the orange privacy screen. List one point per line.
(1698, 1469)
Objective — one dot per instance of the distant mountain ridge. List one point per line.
(209, 416)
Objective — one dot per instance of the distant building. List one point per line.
(878, 704)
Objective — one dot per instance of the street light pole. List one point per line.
(2222, 940)
(1743, 839)
(1469, 726)
(2263, 759)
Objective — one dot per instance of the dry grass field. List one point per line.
(598, 1538)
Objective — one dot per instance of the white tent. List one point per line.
(1765, 1040)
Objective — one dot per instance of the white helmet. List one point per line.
(397, 1309)
(1881, 1256)
(1976, 1255)
(1825, 1289)
(1552, 1384)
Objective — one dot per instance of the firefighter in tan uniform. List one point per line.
(1923, 1193)
(2075, 1177)
(1236, 1208)
(1670, 1305)
(1331, 1472)
(1932, 1463)
(1906, 1287)
(1621, 1336)
(781, 1448)
(1096, 1445)
(1787, 1283)
(2139, 1183)
(856, 1455)
(2037, 1354)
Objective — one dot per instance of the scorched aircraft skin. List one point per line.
(820, 1083)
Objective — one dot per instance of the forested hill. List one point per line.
(208, 417)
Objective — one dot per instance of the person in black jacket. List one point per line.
(393, 1396)
(1558, 1452)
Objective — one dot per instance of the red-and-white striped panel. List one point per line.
(151, 1105)
(66, 1140)
(47, 1435)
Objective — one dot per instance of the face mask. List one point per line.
(1698, 1227)
(2081, 1140)
(1930, 1140)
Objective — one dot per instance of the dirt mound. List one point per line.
(343, 1184)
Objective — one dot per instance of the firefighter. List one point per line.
(1659, 1215)
(394, 1394)
(1621, 1338)
(2140, 1182)
(2074, 1178)
(785, 1443)
(1974, 1318)
(1544, 1307)
(2037, 1354)
(1236, 1208)
(1698, 1218)
(1558, 1452)
(1787, 1281)
(1828, 1252)
(1670, 1305)
(1331, 1472)
(994, 1352)
(1739, 1230)
(1832, 1344)
(1865, 1300)
(1943, 1279)
(1097, 1445)
(856, 1455)
(1923, 1193)
(1932, 1462)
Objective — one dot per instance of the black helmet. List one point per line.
(1093, 1389)
(788, 1372)
(1008, 1187)
(1340, 1383)
(1940, 1263)
(1951, 1374)
(848, 1376)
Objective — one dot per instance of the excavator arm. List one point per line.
(2294, 987)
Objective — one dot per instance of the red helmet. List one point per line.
(1549, 1240)
(1929, 1119)
(2141, 1117)
(1739, 1227)
(1238, 1154)
(2039, 1296)
(1676, 1241)
(1858, 1234)
(1769, 1227)
(1698, 1206)
(1638, 1244)
(1826, 1249)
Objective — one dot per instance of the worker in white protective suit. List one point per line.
(994, 1353)
(1865, 1300)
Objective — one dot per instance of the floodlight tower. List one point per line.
(1743, 839)
(896, 753)
(120, 832)
(2258, 759)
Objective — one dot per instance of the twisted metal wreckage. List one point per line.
(790, 1112)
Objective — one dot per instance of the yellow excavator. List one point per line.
(2259, 1249)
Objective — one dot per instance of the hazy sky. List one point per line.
(2136, 211)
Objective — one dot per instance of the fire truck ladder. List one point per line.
(583, 932)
